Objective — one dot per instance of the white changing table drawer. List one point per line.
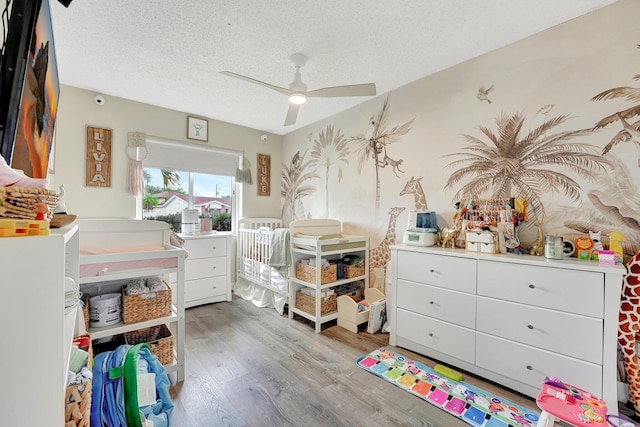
(450, 306)
(444, 271)
(556, 331)
(204, 288)
(441, 336)
(530, 365)
(573, 291)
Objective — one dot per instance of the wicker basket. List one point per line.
(19, 202)
(159, 338)
(77, 404)
(141, 307)
(351, 271)
(308, 273)
(308, 304)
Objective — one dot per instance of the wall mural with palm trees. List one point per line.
(537, 131)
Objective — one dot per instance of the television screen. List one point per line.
(39, 102)
(28, 114)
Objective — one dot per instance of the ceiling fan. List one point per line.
(297, 91)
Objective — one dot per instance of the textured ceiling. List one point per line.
(170, 53)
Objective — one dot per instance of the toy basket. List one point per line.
(307, 304)
(77, 399)
(307, 273)
(19, 202)
(150, 305)
(351, 271)
(159, 338)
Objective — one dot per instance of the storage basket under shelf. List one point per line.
(77, 398)
(147, 306)
(307, 304)
(351, 271)
(159, 338)
(307, 273)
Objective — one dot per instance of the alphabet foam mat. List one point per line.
(471, 404)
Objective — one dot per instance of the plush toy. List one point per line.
(597, 244)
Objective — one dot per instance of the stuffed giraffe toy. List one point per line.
(629, 329)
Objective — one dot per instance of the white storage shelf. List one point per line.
(305, 248)
(511, 318)
(39, 334)
(122, 266)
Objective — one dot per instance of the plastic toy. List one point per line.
(447, 372)
(583, 247)
(570, 404)
(614, 244)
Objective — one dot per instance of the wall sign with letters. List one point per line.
(264, 175)
(98, 163)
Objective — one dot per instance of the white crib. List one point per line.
(256, 279)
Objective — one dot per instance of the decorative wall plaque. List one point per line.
(98, 163)
(264, 174)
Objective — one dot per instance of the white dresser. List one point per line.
(207, 268)
(513, 319)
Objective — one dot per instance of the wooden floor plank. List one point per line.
(250, 366)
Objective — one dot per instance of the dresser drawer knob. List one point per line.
(430, 334)
(530, 326)
(532, 286)
(432, 271)
(214, 248)
(529, 367)
(430, 302)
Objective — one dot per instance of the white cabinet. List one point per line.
(207, 269)
(37, 334)
(329, 249)
(512, 319)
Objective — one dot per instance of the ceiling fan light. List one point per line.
(297, 98)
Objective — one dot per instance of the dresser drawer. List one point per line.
(205, 267)
(206, 247)
(573, 291)
(560, 332)
(441, 336)
(438, 270)
(204, 288)
(450, 306)
(530, 365)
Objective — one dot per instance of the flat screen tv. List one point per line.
(29, 87)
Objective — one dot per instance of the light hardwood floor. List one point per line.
(249, 366)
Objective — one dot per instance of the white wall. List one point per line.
(77, 110)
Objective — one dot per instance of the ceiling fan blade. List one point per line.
(365, 89)
(258, 82)
(292, 114)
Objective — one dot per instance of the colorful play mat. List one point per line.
(471, 404)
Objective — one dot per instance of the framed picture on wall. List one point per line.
(197, 129)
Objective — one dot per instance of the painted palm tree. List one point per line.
(373, 143)
(330, 148)
(524, 165)
(293, 190)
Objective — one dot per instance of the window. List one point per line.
(179, 176)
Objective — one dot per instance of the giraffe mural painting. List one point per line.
(381, 254)
(629, 329)
(413, 187)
